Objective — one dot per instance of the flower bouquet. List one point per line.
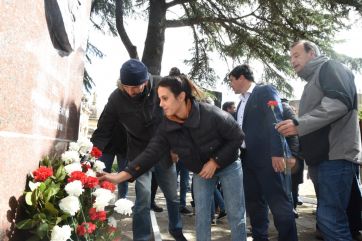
(65, 201)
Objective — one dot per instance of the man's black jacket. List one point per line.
(139, 116)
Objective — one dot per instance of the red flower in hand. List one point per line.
(108, 185)
(272, 104)
(96, 152)
(42, 173)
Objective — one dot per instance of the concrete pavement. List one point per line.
(221, 232)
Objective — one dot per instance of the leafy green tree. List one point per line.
(240, 30)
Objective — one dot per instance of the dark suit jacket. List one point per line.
(261, 139)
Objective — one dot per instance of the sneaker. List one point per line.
(178, 236)
(156, 208)
(185, 211)
(221, 215)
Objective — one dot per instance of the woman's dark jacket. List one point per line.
(207, 133)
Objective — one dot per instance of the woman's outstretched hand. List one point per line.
(114, 177)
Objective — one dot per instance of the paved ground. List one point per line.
(221, 232)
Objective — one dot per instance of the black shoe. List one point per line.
(221, 215)
(178, 236)
(318, 235)
(185, 211)
(357, 236)
(156, 208)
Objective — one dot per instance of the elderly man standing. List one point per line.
(329, 133)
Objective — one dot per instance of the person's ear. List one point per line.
(181, 96)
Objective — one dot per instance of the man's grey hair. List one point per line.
(308, 46)
(119, 83)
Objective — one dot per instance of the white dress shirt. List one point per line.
(243, 100)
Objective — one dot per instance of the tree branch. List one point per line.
(131, 49)
(176, 2)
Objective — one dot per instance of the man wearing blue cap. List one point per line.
(134, 105)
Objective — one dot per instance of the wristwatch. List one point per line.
(295, 122)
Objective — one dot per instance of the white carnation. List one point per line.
(123, 206)
(73, 146)
(33, 185)
(74, 188)
(85, 146)
(61, 233)
(103, 198)
(69, 157)
(99, 166)
(91, 173)
(75, 166)
(69, 205)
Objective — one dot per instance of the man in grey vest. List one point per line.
(328, 132)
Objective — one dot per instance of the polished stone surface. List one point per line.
(40, 95)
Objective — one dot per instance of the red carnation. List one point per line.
(78, 175)
(108, 185)
(94, 215)
(102, 215)
(272, 103)
(86, 166)
(42, 173)
(96, 152)
(86, 227)
(91, 182)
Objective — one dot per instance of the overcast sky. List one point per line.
(178, 41)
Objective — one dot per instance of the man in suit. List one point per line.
(262, 154)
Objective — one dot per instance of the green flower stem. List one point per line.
(75, 229)
(87, 236)
(282, 141)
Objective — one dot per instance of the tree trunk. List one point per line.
(155, 40)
